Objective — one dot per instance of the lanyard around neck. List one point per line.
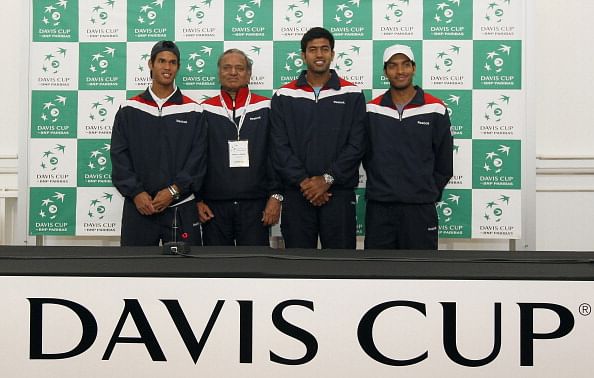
(242, 117)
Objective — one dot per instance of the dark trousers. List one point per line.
(236, 223)
(391, 225)
(334, 222)
(139, 230)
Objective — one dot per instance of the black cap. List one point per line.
(164, 46)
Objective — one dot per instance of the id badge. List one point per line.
(238, 154)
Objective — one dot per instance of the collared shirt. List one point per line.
(161, 101)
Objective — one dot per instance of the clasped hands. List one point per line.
(146, 205)
(315, 190)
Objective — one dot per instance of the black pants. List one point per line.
(391, 225)
(334, 222)
(236, 223)
(138, 229)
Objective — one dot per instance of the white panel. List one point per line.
(564, 221)
(563, 77)
(409, 322)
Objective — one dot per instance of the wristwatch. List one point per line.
(278, 197)
(328, 178)
(174, 193)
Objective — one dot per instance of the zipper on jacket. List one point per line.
(400, 113)
(316, 94)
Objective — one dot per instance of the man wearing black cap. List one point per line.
(409, 160)
(157, 154)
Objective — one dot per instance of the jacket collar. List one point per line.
(417, 100)
(333, 83)
(176, 98)
(240, 98)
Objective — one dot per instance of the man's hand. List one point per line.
(303, 183)
(322, 200)
(162, 200)
(144, 204)
(271, 213)
(204, 212)
(314, 188)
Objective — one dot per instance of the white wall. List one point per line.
(559, 76)
(15, 84)
(14, 20)
(13, 108)
(564, 77)
(561, 79)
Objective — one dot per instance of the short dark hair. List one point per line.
(314, 33)
(248, 61)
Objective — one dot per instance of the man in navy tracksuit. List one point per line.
(240, 198)
(318, 140)
(157, 154)
(409, 160)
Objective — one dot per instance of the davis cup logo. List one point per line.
(445, 61)
(495, 59)
(344, 60)
(52, 14)
(446, 208)
(99, 206)
(51, 111)
(495, 109)
(101, 61)
(143, 63)
(450, 102)
(246, 14)
(495, 210)
(98, 159)
(394, 11)
(196, 14)
(53, 61)
(50, 159)
(495, 160)
(99, 112)
(293, 62)
(345, 13)
(148, 13)
(294, 13)
(196, 61)
(50, 208)
(495, 11)
(99, 14)
(256, 50)
(459, 106)
(445, 12)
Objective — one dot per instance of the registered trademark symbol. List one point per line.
(585, 309)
